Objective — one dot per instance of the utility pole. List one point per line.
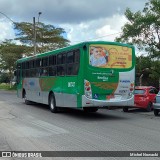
(34, 35)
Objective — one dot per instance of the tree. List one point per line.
(143, 28)
(47, 36)
(142, 63)
(9, 54)
(4, 78)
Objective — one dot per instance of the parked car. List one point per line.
(156, 105)
(144, 96)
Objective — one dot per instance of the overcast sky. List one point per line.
(81, 19)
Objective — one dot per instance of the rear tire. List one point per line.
(125, 109)
(90, 109)
(52, 104)
(156, 111)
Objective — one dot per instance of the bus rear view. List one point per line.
(87, 76)
(109, 75)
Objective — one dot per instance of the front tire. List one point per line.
(52, 104)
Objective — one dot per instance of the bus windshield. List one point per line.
(110, 56)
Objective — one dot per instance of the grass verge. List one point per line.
(6, 86)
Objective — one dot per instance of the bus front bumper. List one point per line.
(86, 102)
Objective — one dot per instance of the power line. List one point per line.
(7, 17)
(106, 35)
(100, 37)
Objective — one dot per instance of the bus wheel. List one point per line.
(25, 99)
(52, 104)
(90, 109)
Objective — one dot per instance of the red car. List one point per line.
(144, 96)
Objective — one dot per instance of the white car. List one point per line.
(156, 105)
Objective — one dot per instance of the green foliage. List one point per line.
(142, 63)
(150, 70)
(143, 28)
(9, 53)
(47, 36)
(4, 78)
(6, 86)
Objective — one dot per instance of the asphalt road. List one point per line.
(35, 128)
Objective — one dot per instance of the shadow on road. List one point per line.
(101, 114)
(137, 110)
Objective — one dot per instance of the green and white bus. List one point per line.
(89, 76)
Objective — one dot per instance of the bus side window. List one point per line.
(27, 65)
(72, 69)
(61, 70)
(70, 57)
(44, 61)
(75, 69)
(27, 73)
(77, 56)
(69, 69)
(23, 73)
(23, 69)
(33, 73)
(59, 59)
(63, 58)
(73, 59)
(44, 71)
(52, 60)
(53, 71)
(31, 63)
(38, 63)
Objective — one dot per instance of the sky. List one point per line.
(83, 20)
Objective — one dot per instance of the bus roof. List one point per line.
(71, 47)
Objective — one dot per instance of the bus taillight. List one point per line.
(131, 89)
(87, 89)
